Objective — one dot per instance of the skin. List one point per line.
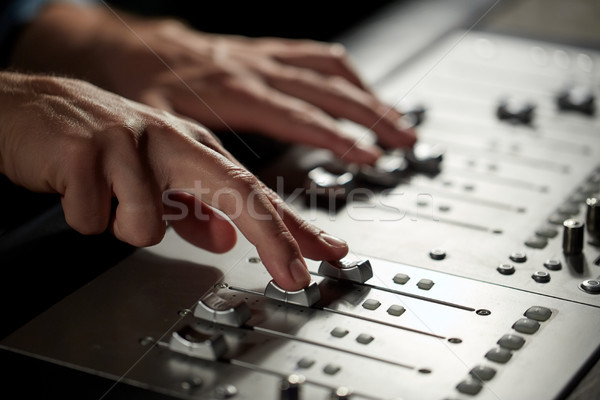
(291, 90)
(69, 137)
(137, 92)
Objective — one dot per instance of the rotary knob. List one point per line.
(341, 393)
(592, 218)
(572, 237)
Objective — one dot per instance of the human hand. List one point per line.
(291, 90)
(91, 146)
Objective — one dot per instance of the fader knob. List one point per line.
(592, 218)
(290, 387)
(194, 343)
(216, 309)
(303, 297)
(572, 237)
(355, 271)
(514, 111)
(578, 99)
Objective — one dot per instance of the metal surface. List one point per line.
(471, 294)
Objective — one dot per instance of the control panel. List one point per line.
(474, 270)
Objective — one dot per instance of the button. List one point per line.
(339, 332)
(511, 341)
(572, 237)
(546, 231)
(499, 355)
(437, 254)
(591, 286)
(304, 297)
(425, 284)
(331, 369)
(194, 343)
(371, 304)
(541, 276)
(483, 372)
(592, 217)
(305, 363)
(469, 386)
(363, 338)
(578, 98)
(425, 158)
(515, 111)
(553, 264)
(518, 257)
(401, 278)
(223, 311)
(290, 388)
(538, 313)
(506, 269)
(526, 325)
(396, 310)
(355, 271)
(536, 242)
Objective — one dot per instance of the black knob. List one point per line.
(290, 387)
(592, 218)
(572, 237)
(577, 99)
(514, 111)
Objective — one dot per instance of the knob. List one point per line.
(330, 184)
(194, 343)
(290, 387)
(572, 237)
(223, 311)
(577, 98)
(355, 271)
(425, 158)
(592, 218)
(341, 393)
(517, 112)
(388, 171)
(303, 297)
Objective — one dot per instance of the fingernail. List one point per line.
(404, 123)
(369, 152)
(299, 272)
(332, 240)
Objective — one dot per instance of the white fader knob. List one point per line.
(194, 343)
(304, 297)
(355, 271)
(222, 311)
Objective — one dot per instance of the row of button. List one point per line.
(329, 369)
(507, 344)
(363, 338)
(424, 284)
(395, 309)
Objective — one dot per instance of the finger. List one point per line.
(86, 202)
(238, 194)
(341, 99)
(290, 119)
(326, 58)
(314, 242)
(138, 215)
(199, 224)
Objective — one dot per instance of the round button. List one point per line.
(437, 254)
(591, 286)
(541, 276)
(518, 257)
(506, 269)
(553, 264)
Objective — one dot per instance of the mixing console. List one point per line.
(474, 270)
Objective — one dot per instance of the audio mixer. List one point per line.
(474, 264)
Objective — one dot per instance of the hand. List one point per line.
(91, 146)
(291, 90)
